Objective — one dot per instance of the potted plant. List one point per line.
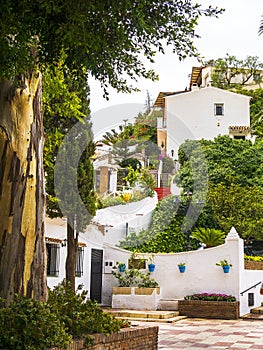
(182, 267)
(136, 290)
(151, 265)
(225, 265)
(121, 266)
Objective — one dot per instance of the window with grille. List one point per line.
(53, 259)
(79, 261)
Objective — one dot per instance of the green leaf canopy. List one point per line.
(110, 39)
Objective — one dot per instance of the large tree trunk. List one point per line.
(22, 245)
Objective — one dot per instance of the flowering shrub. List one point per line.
(210, 297)
(253, 258)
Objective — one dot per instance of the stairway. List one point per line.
(147, 315)
(162, 192)
(255, 314)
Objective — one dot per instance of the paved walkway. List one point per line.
(209, 334)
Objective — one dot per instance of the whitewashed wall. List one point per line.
(56, 228)
(191, 116)
(202, 274)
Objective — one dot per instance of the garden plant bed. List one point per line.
(135, 298)
(209, 309)
(145, 338)
(253, 265)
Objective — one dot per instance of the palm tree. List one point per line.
(209, 236)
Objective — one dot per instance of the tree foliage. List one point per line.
(256, 109)
(65, 103)
(228, 161)
(65, 100)
(239, 76)
(140, 137)
(238, 206)
(235, 183)
(106, 38)
(170, 240)
(230, 72)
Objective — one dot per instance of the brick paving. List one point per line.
(200, 334)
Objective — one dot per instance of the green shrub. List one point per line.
(81, 316)
(128, 278)
(147, 281)
(28, 324)
(133, 277)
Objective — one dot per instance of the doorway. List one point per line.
(96, 274)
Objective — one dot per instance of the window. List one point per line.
(250, 299)
(239, 137)
(53, 255)
(219, 109)
(79, 261)
(137, 263)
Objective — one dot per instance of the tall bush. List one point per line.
(28, 324)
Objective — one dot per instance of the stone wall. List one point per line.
(138, 338)
(253, 265)
(209, 309)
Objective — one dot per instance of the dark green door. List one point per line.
(96, 274)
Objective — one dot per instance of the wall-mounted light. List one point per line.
(64, 243)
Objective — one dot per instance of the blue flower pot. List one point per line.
(122, 268)
(151, 267)
(182, 268)
(226, 269)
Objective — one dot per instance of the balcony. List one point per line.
(161, 123)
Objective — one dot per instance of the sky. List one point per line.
(234, 32)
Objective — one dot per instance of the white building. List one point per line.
(110, 226)
(202, 113)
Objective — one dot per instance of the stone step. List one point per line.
(253, 316)
(151, 319)
(168, 304)
(143, 314)
(257, 310)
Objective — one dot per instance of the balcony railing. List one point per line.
(161, 123)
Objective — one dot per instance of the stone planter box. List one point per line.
(127, 339)
(253, 265)
(209, 309)
(135, 298)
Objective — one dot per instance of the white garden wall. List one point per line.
(202, 274)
